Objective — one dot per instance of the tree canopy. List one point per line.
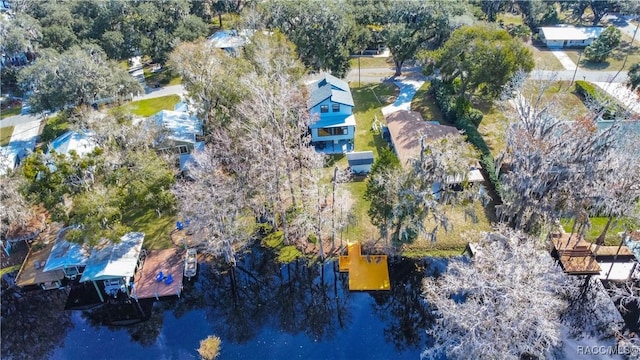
(481, 57)
(505, 302)
(78, 76)
(634, 76)
(321, 31)
(412, 24)
(601, 48)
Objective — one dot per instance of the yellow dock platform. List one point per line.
(366, 272)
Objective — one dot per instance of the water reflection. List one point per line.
(33, 323)
(267, 310)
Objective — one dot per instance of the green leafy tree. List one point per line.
(78, 76)
(537, 13)
(191, 28)
(321, 31)
(481, 57)
(601, 48)
(381, 208)
(411, 24)
(634, 76)
(491, 8)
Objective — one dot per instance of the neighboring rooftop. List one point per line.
(114, 260)
(82, 143)
(230, 39)
(181, 126)
(406, 129)
(571, 32)
(329, 86)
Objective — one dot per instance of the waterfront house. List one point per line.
(230, 40)
(111, 266)
(333, 124)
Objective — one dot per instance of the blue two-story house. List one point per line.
(333, 124)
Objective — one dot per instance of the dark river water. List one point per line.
(264, 310)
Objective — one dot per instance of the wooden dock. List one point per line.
(366, 272)
(32, 270)
(575, 254)
(169, 262)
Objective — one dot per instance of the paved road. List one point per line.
(163, 91)
(381, 74)
(622, 22)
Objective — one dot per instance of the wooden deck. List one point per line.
(32, 270)
(366, 272)
(601, 250)
(575, 254)
(169, 261)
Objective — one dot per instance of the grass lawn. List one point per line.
(612, 63)
(448, 243)
(597, 226)
(510, 19)
(493, 127)
(570, 104)
(149, 107)
(156, 229)
(426, 105)
(55, 126)
(12, 111)
(5, 135)
(367, 62)
(544, 58)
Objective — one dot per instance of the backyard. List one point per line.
(369, 99)
(148, 107)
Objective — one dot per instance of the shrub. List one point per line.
(600, 101)
(459, 112)
(210, 347)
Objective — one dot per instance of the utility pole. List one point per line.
(624, 63)
(359, 68)
(577, 66)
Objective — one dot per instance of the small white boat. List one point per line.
(191, 263)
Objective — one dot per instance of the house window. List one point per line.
(324, 108)
(335, 107)
(183, 149)
(333, 131)
(340, 131)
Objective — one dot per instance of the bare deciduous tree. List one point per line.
(504, 303)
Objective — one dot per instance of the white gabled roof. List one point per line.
(571, 33)
(114, 260)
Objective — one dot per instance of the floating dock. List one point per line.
(366, 272)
